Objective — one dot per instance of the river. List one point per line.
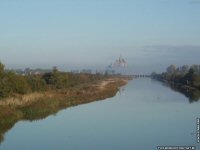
(143, 115)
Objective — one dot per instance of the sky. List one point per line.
(75, 34)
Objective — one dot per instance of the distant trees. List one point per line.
(36, 83)
(4, 88)
(171, 69)
(12, 83)
(185, 75)
(184, 69)
(1, 67)
(196, 68)
(56, 79)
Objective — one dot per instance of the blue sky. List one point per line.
(150, 34)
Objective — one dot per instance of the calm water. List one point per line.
(142, 116)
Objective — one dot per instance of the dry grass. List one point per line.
(22, 99)
(110, 81)
(36, 106)
(81, 91)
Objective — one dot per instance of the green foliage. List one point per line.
(12, 84)
(171, 69)
(36, 83)
(196, 81)
(5, 84)
(5, 89)
(184, 75)
(20, 85)
(1, 67)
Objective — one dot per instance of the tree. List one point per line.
(184, 68)
(5, 89)
(195, 68)
(1, 67)
(55, 70)
(171, 69)
(36, 83)
(189, 77)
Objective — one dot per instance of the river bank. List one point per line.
(81, 91)
(177, 84)
(185, 77)
(40, 105)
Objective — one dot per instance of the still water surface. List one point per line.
(143, 115)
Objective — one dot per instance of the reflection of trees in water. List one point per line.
(45, 107)
(4, 127)
(121, 90)
(193, 95)
(34, 112)
(8, 118)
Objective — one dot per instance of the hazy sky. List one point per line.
(149, 34)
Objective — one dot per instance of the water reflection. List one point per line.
(193, 95)
(121, 90)
(43, 108)
(122, 122)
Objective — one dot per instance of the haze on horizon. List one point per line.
(73, 34)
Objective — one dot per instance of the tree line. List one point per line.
(183, 75)
(12, 84)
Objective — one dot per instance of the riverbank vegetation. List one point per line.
(185, 75)
(54, 101)
(185, 79)
(34, 97)
(12, 84)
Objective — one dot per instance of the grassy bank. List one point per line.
(39, 105)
